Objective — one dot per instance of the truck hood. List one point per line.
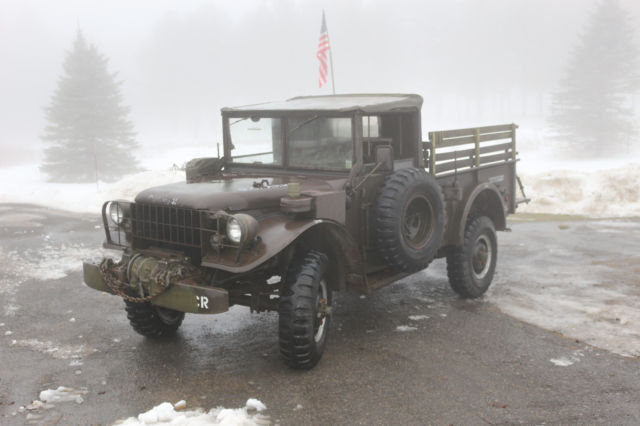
(233, 194)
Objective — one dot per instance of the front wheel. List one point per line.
(304, 309)
(153, 321)
(471, 267)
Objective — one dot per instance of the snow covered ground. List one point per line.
(581, 279)
(76, 197)
(598, 188)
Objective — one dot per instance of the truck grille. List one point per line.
(169, 226)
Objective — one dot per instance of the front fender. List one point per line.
(274, 232)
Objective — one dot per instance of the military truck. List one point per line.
(311, 196)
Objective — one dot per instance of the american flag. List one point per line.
(323, 48)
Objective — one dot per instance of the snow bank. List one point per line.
(584, 189)
(590, 188)
(76, 197)
(169, 414)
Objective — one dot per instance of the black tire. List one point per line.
(409, 220)
(471, 267)
(302, 326)
(153, 321)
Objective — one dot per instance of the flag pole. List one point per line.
(333, 81)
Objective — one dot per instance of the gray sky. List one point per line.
(181, 61)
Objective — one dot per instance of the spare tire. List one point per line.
(409, 220)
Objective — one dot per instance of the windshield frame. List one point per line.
(229, 118)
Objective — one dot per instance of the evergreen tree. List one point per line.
(593, 112)
(89, 136)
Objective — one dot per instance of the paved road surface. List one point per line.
(467, 363)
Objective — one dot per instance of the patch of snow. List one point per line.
(49, 261)
(39, 405)
(166, 414)
(418, 317)
(63, 394)
(403, 328)
(562, 362)
(274, 279)
(255, 404)
(567, 361)
(72, 320)
(8, 333)
(56, 351)
(31, 418)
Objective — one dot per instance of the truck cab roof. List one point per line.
(369, 103)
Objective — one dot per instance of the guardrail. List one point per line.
(451, 151)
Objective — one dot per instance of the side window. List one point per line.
(370, 126)
(372, 137)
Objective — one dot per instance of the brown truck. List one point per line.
(312, 195)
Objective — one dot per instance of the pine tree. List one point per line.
(89, 135)
(593, 112)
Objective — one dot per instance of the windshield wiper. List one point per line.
(305, 122)
(237, 121)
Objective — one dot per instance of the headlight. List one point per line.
(116, 213)
(234, 230)
(241, 228)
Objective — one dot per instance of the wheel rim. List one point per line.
(168, 316)
(321, 318)
(481, 257)
(417, 221)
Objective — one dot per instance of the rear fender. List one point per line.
(484, 200)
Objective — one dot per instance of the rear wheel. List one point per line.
(304, 309)
(471, 267)
(153, 321)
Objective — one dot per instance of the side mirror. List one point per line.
(384, 155)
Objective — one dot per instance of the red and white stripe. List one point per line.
(323, 48)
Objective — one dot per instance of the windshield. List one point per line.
(313, 141)
(320, 142)
(256, 140)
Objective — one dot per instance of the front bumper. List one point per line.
(180, 297)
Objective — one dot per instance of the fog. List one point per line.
(474, 62)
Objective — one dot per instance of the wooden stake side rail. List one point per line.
(451, 151)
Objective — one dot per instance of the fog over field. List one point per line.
(473, 62)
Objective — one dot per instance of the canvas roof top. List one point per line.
(366, 103)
